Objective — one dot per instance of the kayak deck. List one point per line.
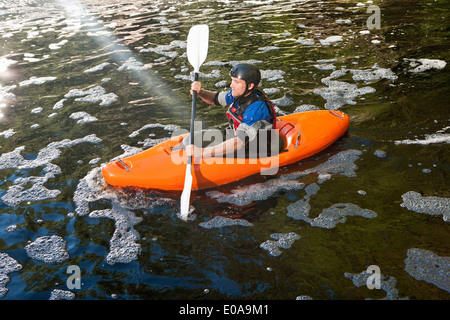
(164, 165)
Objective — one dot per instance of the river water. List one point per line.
(83, 82)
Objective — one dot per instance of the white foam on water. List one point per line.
(373, 74)
(97, 68)
(167, 50)
(325, 66)
(7, 133)
(5, 94)
(59, 104)
(339, 93)
(344, 21)
(165, 30)
(284, 101)
(422, 65)
(14, 159)
(82, 117)
(17, 193)
(380, 153)
(213, 74)
(268, 48)
(414, 201)
(92, 95)
(438, 137)
(123, 245)
(272, 75)
(132, 65)
(339, 164)
(89, 189)
(305, 42)
(7, 265)
(342, 163)
(36, 81)
(56, 46)
(99, 33)
(245, 195)
(220, 222)
(48, 249)
(168, 127)
(37, 110)
(58, 294)
(232, 63)
(329, 217)
(5, 63)
(306, 107)
(94, 161)
(425, 265)
(221, 84)
(281, 241)
(386, 284)
(269, 90)
(331, 40)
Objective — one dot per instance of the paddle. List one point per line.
(197, 49)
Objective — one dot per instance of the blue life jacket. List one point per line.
(250, 109)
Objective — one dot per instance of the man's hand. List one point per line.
(196, 86)
(192, 150)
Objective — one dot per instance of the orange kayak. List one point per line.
(163, 166)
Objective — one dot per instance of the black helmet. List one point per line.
(247, 72)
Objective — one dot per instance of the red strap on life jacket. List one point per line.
(235, 115)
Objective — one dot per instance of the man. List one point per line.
(248, 110)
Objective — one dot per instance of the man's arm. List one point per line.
(230, 145)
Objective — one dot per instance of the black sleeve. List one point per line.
(216, 99)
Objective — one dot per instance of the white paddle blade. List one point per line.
(197, 45)
(186, 195)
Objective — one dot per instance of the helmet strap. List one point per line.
(247, 91)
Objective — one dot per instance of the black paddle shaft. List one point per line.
(194, 98)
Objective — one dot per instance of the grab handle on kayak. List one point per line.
(298, 137)
(336, 114)
(124, 165)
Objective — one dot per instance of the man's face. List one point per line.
(238, 87)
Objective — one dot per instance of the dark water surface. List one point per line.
(84, 82)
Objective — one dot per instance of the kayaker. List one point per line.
(249, 111)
